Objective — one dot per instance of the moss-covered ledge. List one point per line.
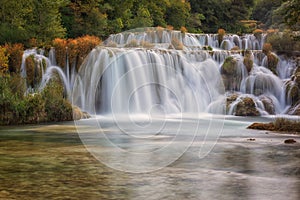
(279, 124)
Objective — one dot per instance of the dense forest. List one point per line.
(45, 20)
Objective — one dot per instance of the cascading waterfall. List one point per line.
(163, 71)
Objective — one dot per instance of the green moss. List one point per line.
(229, 66)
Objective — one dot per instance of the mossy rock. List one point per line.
(297, 79)
(272, 62)
(268, 104)
(246, 107)
(229, 66)
(248, 62)
(295, 109)
(230, 99)
(235, 48)
(293, 93)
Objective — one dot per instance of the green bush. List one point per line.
(284, 41)
(45, 106)
(56, 107)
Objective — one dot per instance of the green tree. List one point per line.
(14, 16)
(45, 24)
(290, 13)
(82, 17)
(142, 18)
(178, 13)
(263, 11)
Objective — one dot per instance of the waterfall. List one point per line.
(163, 71)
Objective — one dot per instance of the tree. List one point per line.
(142, 18)
(290, 12)
(82, 17)
(263, 11)
(45, 24)
(14, 16)
(177, 13)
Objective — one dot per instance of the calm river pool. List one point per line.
(53, 161)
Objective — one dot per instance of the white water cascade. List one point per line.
(163, 71)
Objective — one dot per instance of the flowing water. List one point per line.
(50, 162)
(158, 129)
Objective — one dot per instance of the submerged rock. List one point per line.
(289, 141)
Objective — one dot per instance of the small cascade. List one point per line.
(43, 69)
(162, 71)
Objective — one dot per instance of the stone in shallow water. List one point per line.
(289, 141)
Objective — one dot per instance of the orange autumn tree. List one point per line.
(77, 49)
(3, 61)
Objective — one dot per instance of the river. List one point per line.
(59, 161)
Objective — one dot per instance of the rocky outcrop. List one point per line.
(246, 107)
(241, 106)
(248, 61)
(268, 104)
(231, 73)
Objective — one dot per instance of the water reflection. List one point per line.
(36, 163)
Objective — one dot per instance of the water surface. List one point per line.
(50, 162)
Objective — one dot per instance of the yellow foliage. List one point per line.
(221, 32)
(183, 30)
(60, 46)
(3, 61)
(15, 52)
(267, 48)
(169, 27)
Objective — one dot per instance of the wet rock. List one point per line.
(268, 104)
(272, 62)
(235, 48)
(295, 109)
(78, 114)
(292, 92)
(297, 78)
(248, 61)
(289, 141)
(246, 107)
(231, 73)
(86, 115)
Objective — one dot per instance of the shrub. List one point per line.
(60, 46)
(267, 48)
(15, 52)
(3, 61)
(56, 107)
(146, 44)
(183, 30)
(283, 124)
(221, 34)
(169, 27)
(284, 41)
(257, 33)
(132, 43)
(177, 44)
